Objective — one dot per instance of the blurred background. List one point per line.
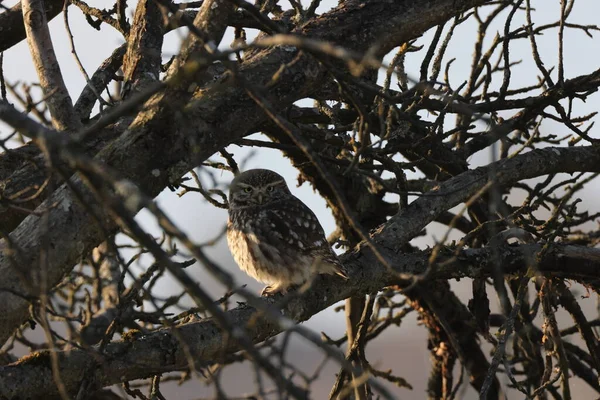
(402, 349)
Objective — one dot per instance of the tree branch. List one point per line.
(161, 352)
(47, 68)
(207, 125)
(142, 61)
(13, 28)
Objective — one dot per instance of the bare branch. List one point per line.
(145, 356)
(46, 65)
(13, 28)
(231, 115)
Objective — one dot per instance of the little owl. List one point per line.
(273, 236)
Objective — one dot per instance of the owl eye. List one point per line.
(270, 188)
(247, 189)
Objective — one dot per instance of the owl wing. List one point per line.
(293, 224)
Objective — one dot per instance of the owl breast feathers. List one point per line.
(273, 236)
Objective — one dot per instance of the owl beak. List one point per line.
(260, 198)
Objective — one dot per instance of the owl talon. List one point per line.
(273, 290)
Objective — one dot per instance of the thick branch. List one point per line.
(102, 77)
(12, 26)
(142, 62)
(421, 212)
(161, 351)
(220, 115)
(47, 68)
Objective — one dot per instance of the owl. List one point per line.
(273, 236)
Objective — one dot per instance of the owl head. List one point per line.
(257, 187)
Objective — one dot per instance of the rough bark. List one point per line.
(12, 26)
(162, 351)
(217, 116)
(47, 67)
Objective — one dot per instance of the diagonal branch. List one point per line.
(47, 68)
(421, 212)
(219, 115)
(161, 352)
(12, 26)
(142, 62)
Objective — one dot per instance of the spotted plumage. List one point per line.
(273, 236)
